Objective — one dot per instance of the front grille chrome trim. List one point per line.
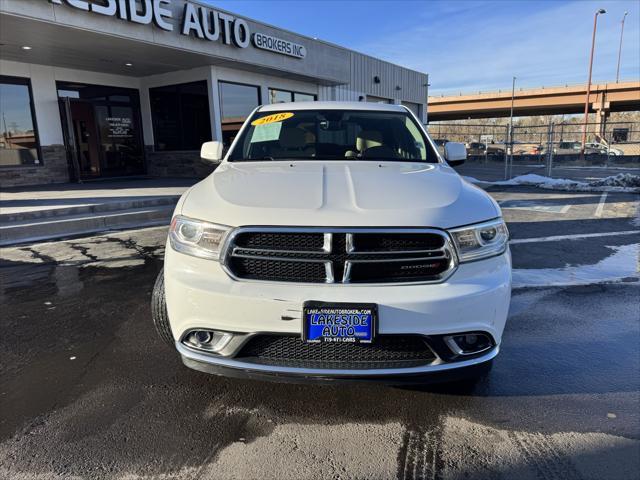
(447, 251)
(327, 242)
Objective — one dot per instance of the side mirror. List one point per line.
(211, 151)
(455, 153)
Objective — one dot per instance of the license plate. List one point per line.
(339, 322)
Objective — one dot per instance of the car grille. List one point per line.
(387, 351)
(339, 256)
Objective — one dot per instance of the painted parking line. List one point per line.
(600, 206)
(533, 205)
(576, 236)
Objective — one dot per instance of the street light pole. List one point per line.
(620, 47)
(586, 100)
(510, 160)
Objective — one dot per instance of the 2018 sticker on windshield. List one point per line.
(276, 117)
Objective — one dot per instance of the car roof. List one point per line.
(362, 106)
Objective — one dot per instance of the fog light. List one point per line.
(202, 337)
(207, 340)
(470, 339)
(468, 343)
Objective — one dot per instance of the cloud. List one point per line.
(472, 45)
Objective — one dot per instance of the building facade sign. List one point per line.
(277, 45)
(197, 20)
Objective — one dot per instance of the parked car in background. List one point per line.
(496, 148)
(481, 148)
(536, 150)
(332, 243)
(603, 149)
(527, 149)
(476, 148)
(573, 148)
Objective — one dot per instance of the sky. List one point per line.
(470, 45)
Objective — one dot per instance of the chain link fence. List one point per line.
(553, 149)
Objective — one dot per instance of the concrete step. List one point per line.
(53, 227)
(49, 209)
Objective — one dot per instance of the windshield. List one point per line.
(333, 135)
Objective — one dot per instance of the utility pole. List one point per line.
(586, 100)
(620, 47)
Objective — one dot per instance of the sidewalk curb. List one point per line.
(97, 208)
(54, 228)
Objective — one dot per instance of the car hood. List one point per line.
(338, 193)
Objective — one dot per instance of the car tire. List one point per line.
(159, 311)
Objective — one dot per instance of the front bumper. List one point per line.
(228, 367)
(199, 294)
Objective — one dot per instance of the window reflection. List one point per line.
(283, 96)
(18, 136)
(280, 96)
(237, 102)
(180, 116)
(303, 97)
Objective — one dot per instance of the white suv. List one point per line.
(334, 242)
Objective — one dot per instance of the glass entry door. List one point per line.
(120, 145)
(102, 130)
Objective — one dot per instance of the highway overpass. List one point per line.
(604, 98)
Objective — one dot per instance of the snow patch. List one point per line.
(622, 182)
(622, 264)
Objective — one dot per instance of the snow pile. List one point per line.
(538, 180)
(622, 182)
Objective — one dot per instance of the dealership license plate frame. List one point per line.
(318, 305)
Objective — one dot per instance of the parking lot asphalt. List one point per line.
(87, 390)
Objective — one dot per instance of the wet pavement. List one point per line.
(87, 389)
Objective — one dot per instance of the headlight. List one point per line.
(481, 240)
(197, 238)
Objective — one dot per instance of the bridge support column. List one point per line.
(602, 110)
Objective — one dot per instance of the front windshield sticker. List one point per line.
(266, 133)
(276, 117)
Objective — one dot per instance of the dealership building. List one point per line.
(94, 89)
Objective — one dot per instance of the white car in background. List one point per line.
(603, 149)
(334, 242)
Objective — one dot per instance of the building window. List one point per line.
(303, 97)
(374, 99)
(18, 134)
(282, 96)
(237, 101)
(180, 116)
